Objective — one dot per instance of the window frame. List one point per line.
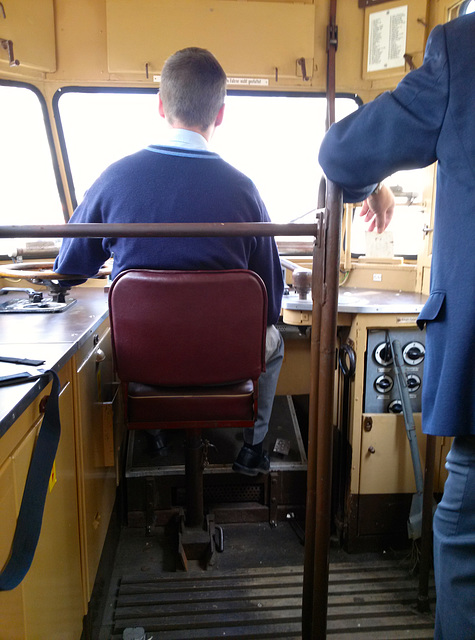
(49, 137)
(154, 90)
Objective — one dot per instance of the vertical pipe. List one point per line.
(310, 508)
(194, 479)
(325, 276)
(426, 538)
(332, 44)
(329, 314)
(322, 361)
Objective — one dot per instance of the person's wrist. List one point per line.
(377, 189)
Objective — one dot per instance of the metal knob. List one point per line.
(302, 280)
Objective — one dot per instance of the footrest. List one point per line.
(197, 543)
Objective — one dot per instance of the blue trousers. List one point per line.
(267, 386)
(454, 546)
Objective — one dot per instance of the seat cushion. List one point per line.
(225, 403)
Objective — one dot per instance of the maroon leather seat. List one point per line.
(189, 347)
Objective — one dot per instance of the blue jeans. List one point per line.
(454, 546)
(267, 386)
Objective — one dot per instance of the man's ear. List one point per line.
(219, 117)
(160, 106)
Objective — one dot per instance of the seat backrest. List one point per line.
(188, 328)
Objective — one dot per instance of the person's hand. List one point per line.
(378, 209)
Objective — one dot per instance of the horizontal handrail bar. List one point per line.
(141, 229)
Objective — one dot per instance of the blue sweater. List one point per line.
(166, 184)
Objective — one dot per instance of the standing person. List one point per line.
(180, 180)
(429, 117)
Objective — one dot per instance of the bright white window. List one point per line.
(406, 230)
(273, 140)
(467, 7)
(28, 188)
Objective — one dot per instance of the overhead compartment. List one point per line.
(27, 35)
(250, 39)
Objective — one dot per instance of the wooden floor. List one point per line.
(255, 591)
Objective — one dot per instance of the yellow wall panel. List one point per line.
(29, 24)
(12, 625)
(248, 38)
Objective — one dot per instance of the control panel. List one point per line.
(381, 390)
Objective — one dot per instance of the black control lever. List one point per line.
(33, 295)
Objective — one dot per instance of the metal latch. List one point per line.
(8, 46)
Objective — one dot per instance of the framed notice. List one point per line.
(387, 39)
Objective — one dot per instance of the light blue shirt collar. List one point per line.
(185, 139)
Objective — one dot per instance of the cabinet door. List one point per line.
(97, 481)
(11, 602)
(30, 27)
(52, 588)
(248, 38)
(386, 462)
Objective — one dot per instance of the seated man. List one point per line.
(180, 180)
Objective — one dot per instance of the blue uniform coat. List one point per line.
(429, 116)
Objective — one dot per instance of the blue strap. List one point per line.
(29, 521)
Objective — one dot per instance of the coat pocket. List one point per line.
(431, 309)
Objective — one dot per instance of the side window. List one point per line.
(467, 7)
(412, 217)
(29, 189)
(275, 141)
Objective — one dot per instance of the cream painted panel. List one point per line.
(97, 480)
(29, 24)
(248, 38)
(11, 602)
(52, 588)
(386, 463)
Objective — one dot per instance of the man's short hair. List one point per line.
(192, 87)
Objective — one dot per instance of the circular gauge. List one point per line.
(413, 382)
(382, 354)
(383, 384)
(413, 353)
(395, 406)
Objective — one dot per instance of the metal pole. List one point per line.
(141, 229)
(323, 343)
(426, 538)
(326, 378)
(310, 508)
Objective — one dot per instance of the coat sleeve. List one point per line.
(83, 256)
(265, 261)
(398, 130)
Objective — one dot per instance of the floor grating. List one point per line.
(373, 600)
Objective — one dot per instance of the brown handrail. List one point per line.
(158, 229)
(319, 470)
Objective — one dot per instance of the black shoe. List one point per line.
(251, 463)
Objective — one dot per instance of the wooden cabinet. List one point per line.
(97, 475)
(266, 38)
(29, 26)
(48, 603)
(11, 602)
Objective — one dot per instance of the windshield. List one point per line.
(272, 139)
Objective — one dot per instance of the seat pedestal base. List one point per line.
(198, 543)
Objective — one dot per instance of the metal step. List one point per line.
(366, 600)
